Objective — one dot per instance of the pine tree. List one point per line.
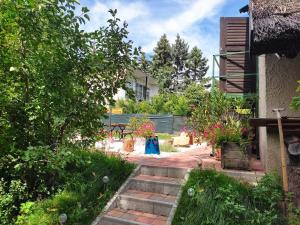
(180, 53)
(196, 66)
(144, 63)
(162, 63)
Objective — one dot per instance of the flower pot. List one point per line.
(152, 145)
(191, 136)
(218, 154)
(233, 157)
(128, 145)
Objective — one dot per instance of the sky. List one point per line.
(196, 21)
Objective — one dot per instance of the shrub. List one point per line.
(221, 200)
(59, 180)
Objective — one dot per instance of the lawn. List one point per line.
(212, 198)
(165, 136)
(84, 193)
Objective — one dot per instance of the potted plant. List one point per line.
(147, 130)
(232, 137)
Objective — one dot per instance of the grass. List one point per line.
(220, 200)
(167, 147)
(83, 195)
(165, 136)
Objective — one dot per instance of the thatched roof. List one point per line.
(276, 26)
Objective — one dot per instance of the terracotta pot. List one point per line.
(218, 154)
(128, 145)
(191, 142)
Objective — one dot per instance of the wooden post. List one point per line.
(282, 151)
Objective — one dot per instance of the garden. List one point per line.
(56, 83)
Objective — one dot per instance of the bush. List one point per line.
(220, 200)
(64, 181)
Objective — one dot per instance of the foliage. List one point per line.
(174, 67)
(55, 79)
(295, 104)
(210, 111)
(180, 53)
(179, 104)
(220, 200)
(128, 106)
(162, 63)
(164, 136)
(11, 195)
(145, 129)
(293, 211)
(197, 66)
(136, 122)
(232, 130)
(83, 194)
(215, 111)
(167, 147)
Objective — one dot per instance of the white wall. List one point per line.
(153, 89)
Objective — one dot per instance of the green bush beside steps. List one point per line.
(212, 198)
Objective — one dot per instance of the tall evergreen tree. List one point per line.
(162, 63)
(196, 66)
(180, 53)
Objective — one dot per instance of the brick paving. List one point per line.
(151, 196)
(194, 158)
(159, 178)
(138, 216)
(188, 159)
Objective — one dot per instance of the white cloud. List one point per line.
(128, 12)
(148, 20)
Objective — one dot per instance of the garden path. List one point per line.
(189, 159)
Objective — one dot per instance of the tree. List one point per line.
(56, 79)
(197, 66)
(180, 53)
(162, 63)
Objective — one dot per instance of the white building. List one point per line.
(143, 86)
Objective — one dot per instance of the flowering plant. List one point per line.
(188, 131)
(146, 129)
(230, 131)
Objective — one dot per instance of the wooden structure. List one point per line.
(233, 157)
(291, 127)
(237, 66)
(276, 27)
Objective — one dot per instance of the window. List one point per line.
(140, 92)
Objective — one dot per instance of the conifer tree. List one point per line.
(196, 66)
(162, 64)
(180, 53)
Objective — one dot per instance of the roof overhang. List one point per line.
(275, 27)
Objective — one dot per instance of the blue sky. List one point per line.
(197, 21)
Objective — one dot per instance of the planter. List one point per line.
(218, 154)
(128, 145)
(152, 146)
(191, 136)
(232, 157)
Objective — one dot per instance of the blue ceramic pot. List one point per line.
(152, 145)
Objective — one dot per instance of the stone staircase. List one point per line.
(148, 197)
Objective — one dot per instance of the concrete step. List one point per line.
(251, 177)
(161, 185)
(156, 207)
(119, 216)
(150, 196)
(163, 171)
